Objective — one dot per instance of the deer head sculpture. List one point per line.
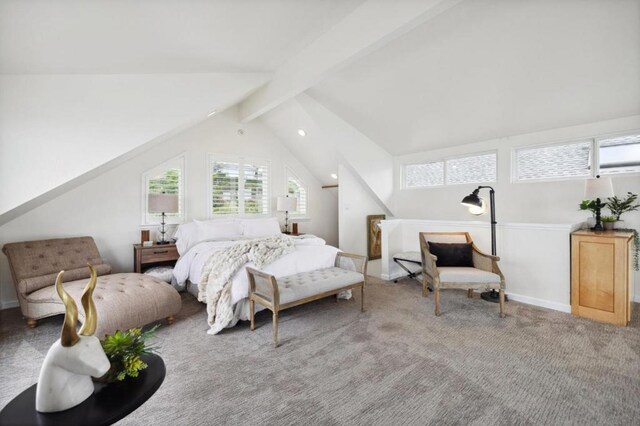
(65, 377)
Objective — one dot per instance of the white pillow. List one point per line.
(189, 234)
(184, 236)
(217, 229)
(264, 227)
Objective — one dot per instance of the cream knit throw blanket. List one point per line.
(215, 283)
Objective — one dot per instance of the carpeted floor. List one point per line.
(395, 364)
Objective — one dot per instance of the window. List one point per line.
(239, 186)
(477, 168)
(166, 178)
(619, 155)
(566, 160)
(296, 188)
(473, 169)
(421, 175)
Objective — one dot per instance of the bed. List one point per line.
(199, 241)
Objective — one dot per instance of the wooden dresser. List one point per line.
(602, 275)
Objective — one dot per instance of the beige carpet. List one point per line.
(395, 364)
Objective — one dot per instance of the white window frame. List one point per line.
(404, 175)
(178, 162)
(596, 154)
(514, 161)
(475, 154)
(288, 172)
(444, 170)
(594, 158)
(242, 161)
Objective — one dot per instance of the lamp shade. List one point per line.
(598, 188)
(472, 200)
(163, 203)
(286, 204)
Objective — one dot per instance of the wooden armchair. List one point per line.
(485, 273)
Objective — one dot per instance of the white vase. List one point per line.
(608, 225)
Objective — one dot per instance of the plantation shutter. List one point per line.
(255, 188)
(296, 189)
(225, 187)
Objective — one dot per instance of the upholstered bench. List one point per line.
(349, 272)
(122, 301)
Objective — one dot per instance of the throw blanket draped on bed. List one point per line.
(215, 284)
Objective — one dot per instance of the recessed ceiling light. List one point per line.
(212, 113)
(334, 175)
(301, 132)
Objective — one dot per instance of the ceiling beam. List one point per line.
(369, 27)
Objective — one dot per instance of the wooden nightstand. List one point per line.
(144, 257)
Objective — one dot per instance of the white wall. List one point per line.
(549, 202)
(109, 206)
(534, 258)
(54, 128)
(355, 204)
(543, 202)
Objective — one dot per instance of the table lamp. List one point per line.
(286, 204)
(598, 189)
(163, 203)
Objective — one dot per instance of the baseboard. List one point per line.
(517, 297)
(9, 304)
(540, 302)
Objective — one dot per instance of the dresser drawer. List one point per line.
(159, 254)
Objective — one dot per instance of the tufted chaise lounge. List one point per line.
(122, 301)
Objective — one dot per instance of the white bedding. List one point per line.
(311, 253)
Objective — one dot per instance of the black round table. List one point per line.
(108, 404)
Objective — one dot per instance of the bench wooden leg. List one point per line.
(362, 298)
(275, 329)
(425, 288)
(32, 323)
(252, 307)
(470, 293)
(171, 319)
(436, 298)
(501, 295)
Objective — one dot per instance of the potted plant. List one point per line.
(124, 350)
(608, 221)
(618, 206)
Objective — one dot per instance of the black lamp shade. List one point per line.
(472, 200)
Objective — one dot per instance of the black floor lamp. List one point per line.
(476, 203)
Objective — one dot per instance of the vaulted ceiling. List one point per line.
(159, 36)
(409, 75)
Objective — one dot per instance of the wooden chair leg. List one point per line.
(275, 329)
(171, 319)
(361, 298)
(425, 288)
(501, 296)
(436, 298)
(32, 323)
(470, 293)
(252, 307)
